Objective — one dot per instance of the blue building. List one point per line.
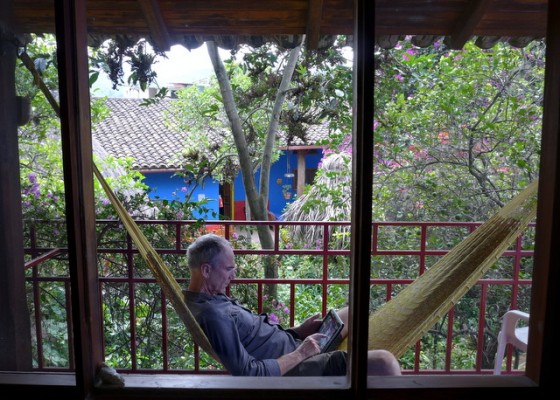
(140, 132)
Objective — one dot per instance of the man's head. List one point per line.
(211, 260)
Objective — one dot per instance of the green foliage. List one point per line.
(110, 55)
(457, 132)
(320, 89)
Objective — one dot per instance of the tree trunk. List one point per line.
(257, 200)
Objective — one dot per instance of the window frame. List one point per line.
(71, 31)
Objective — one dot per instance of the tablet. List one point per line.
(331, 326)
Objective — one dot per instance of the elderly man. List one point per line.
(249, 344)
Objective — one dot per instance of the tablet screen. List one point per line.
(331, 326)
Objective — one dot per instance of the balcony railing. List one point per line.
(143, 334)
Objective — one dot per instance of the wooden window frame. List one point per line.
(71, 34)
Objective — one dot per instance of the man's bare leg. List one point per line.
(382, 362)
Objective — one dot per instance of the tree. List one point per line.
(457, 133)
(272, 94)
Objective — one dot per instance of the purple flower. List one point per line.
(32, 177)
(36, 190)
(273, 318)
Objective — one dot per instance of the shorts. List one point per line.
(323, 364)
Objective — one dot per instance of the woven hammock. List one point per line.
(416, 308)
(161, 272)
(403, 320)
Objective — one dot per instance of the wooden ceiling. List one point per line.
(190, 22)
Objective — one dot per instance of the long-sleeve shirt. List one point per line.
(246, 343)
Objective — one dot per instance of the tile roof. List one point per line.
(142, 132)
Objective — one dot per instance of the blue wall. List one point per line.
(167, 186)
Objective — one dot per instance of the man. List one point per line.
(248, 344)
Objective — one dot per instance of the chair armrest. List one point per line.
(511, 318)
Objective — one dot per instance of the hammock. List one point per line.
(404, 319)
(161, 272)
(416, 308)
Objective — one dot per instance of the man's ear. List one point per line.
(205, 270)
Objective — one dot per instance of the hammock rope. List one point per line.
(161, 272)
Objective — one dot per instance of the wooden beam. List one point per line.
(314, 18)
(77, 157)
(46, 256)
(15, 331)
(301, 172)
(159, 32)
(465, 25)
(543, 350)
(362, 184)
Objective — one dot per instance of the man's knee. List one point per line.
(382, 362)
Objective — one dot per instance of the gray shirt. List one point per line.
(246, 343)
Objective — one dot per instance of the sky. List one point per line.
(180, 66)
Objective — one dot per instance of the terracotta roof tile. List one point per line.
(142, 132)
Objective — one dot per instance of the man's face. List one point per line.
(221, 272)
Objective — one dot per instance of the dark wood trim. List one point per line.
(158, 27)
(314, 19)
(362, 181)
(543, 349)
(466, 24)
(15, 331)
(78, 179)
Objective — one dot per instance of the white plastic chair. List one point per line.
(512, 334)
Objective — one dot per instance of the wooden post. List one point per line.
(71, 37)
(15, 331)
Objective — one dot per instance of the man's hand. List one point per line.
(309, 347)
(309, 326)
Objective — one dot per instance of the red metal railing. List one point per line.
(120, 267)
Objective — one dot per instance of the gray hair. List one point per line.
(205, 248)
